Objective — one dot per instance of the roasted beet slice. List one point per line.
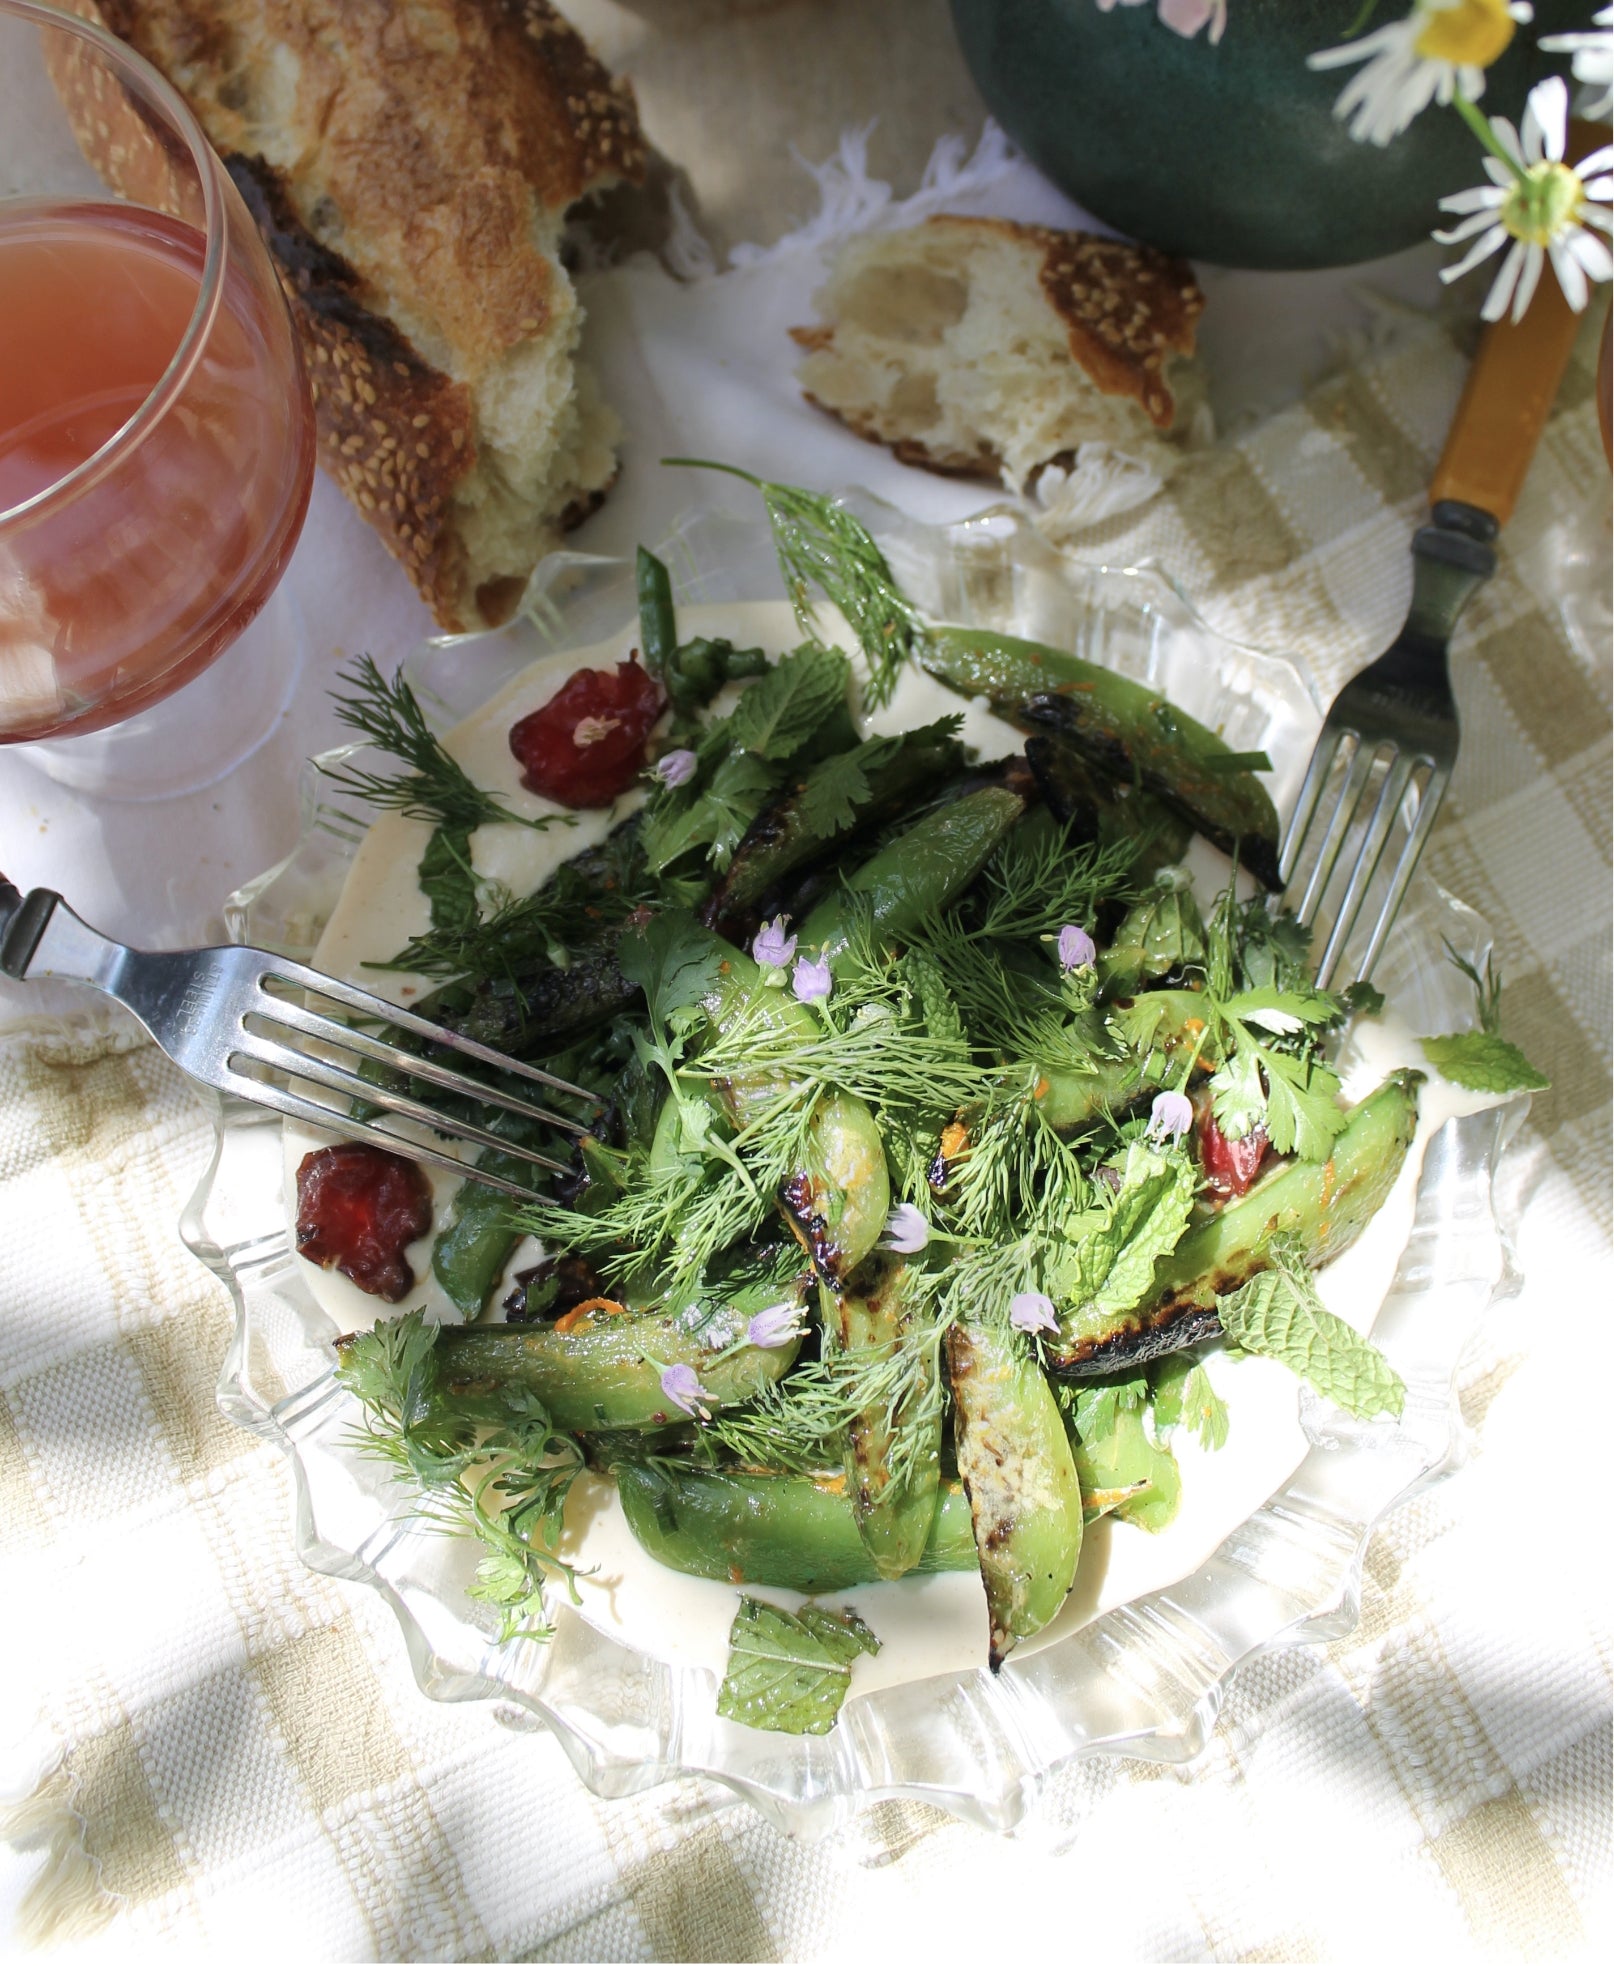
(1230, 1165)
(358, 1210)
(587, 743)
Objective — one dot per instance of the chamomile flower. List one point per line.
(1538, 207)
(1593, 61)
(1440, 50)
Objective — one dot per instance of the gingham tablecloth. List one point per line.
(207, 1746)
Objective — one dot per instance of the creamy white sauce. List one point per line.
(927, 1625)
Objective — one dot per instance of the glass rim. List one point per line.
(182, 363)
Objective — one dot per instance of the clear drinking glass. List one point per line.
(156, 429)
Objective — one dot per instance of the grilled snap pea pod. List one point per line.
(921, 870)
(1015, 1460)
(470, 1254)
(893, 1516)
(784, 836)
(1129, 731)
(791, 1531)
(1326, 1204)
(604, 1372)
(1097, 809)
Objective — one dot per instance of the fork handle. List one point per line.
(1509, 395)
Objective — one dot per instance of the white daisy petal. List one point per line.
(1529, 279)
(1467, 229)
(1496, 301)
(1593, 255)
(1482, 249)
(1548, 108)
(1598, 215)
(1497, 171)
(1571, 275)
(1483, 198)
(1599, 160)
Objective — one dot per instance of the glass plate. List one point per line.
(1145, 1678)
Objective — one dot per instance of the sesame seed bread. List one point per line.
(982, 347)
(411, 167)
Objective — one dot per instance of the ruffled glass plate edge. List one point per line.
(1145, 1679)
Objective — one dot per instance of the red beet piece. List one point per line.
(587, 743)
(1230, 1165)
(358, 1209)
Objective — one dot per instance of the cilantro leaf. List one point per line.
(783, 709)
(673, 960)
(835, 788)
(714, 815)
(789, 1672)
(1278, 1314)
(1303, 1113)
(1185, 1397)
(1483, 1062)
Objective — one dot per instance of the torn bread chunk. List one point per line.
(982, 347)
(412, 168)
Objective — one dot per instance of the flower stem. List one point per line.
(1480, 124)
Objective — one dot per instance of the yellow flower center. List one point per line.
(1543, 203)
(1471, 34)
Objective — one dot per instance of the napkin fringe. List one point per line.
(67, 1899)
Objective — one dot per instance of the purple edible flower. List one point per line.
(811, 981)
(771, 947)
(775, 1326)
(1171, 1115)
(1076, 947)
(685, 1391)
(906, 1230)
(676, 768)
(1030, 1311)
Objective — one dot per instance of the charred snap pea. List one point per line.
(1015, 1460)
(787, 836)
(789, 1531)
(604, 1371)
(1096, 808)
(469, 1255)
(1129, 731)
(921, 870)
(1326, 1204)
(893, 1513)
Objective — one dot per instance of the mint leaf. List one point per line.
(1279, 1315)
(781, 710)
(1105, 1266)
(1483, 1063)
(788, 1672)
(674, 961)
(1185, 1397)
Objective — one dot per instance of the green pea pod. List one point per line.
(473, 1248)
(658, 626)
(789, 1531)
(1128, 730)
(894, 1517)
(1325, 1204)
(1097, 809)
(1124, 1473)
(921, 870)
(605, 1372)
(1025, 1499)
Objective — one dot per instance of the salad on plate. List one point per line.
(965, 1105)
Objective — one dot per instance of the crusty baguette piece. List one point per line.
(978, 346)
(411, 167)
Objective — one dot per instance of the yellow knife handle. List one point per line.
(1509, 395)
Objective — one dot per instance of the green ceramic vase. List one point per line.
(1230, 153)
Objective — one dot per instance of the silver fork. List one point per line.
(227, 1015)
(1389, 741)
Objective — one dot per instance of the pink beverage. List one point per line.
(141, 555)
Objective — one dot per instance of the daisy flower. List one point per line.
(1593, 61)
(1440, 51)
(1537, 206)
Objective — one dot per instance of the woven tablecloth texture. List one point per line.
(208, 1745)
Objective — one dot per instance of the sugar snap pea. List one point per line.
(893, 1512)
(1128, 730)
(605, 1372)
(1015, 1460)
(790, 1531)
(1138, 1479)
(1325, 1204)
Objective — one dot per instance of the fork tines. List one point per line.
(277, 1028)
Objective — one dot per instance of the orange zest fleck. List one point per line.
(580, 1312)
(1042, 1089)
(955, 1138)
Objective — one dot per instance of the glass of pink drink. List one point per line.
(156, 429)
